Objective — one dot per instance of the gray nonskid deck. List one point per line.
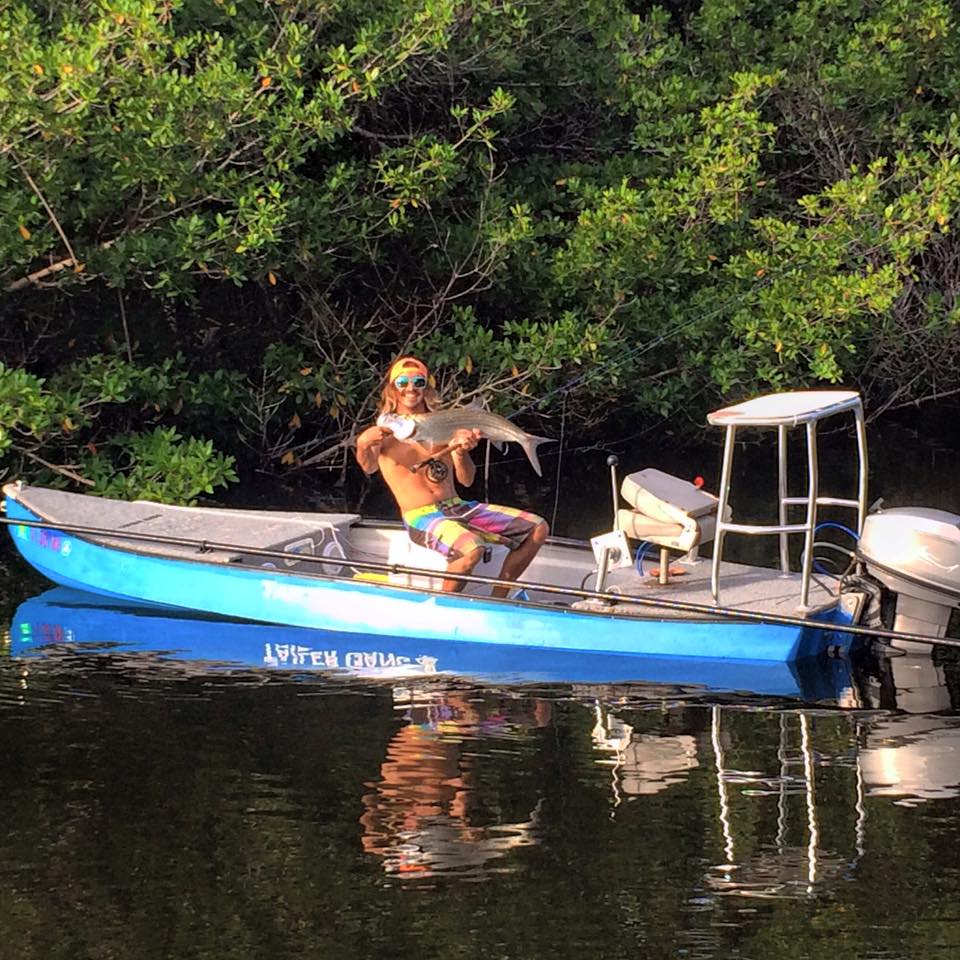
(747, 588)
(240, 529)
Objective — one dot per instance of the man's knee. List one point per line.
(466, 562)
(474, 556)
(540, 532)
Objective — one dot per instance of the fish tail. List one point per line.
(529, 445)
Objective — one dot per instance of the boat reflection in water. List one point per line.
(794, 861)
(641, 764)
(915, 755)
(68, 616)
(446, 799)
(905, 748)
(903, 744)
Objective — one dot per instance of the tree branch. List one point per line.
(46, 206)
(65, 471)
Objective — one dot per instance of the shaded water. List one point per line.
(156, 808)
(159, 805)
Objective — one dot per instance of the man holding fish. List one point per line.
(420, 453)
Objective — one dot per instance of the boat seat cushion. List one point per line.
(667, 511)
(665, 497)
(674, 536)
(641, 527)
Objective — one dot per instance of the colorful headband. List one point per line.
(408, 363)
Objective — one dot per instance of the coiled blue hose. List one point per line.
(831, 525)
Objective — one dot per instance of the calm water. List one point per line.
(160, 808)
(159, 805)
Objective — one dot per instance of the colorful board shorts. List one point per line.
(457, 527)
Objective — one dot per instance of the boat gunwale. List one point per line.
(702, 614)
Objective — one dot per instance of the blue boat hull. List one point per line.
(86, 621)
(361, 607)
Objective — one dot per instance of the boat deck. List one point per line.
(742, 587)
(257, 529)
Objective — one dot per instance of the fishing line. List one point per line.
(486, 472)
(556, 485)
(639, 350)
(635, 352)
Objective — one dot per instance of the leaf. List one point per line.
(468, 364)
(306, 371)
(24, 232)
(294, 422)
(288, 458)
(271, 278)
(265, 82)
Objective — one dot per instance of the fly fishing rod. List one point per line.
(608, 597)
(449, 448)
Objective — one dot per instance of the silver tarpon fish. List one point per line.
(438, 428)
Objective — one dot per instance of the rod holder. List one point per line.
(602, 568)
(612, 462)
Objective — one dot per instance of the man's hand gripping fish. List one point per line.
(432, 429)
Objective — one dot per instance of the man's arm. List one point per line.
(368, 448)
(463, 466)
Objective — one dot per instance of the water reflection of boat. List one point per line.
(910, 751)
(641, 764)
(62, 616)
(790, 860)
(794, 862)
(915, 754)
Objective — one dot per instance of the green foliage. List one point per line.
(159, 465)
(79, 412)
(259, 205)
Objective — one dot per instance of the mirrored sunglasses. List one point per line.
(417, 381)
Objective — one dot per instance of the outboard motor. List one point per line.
(915, 553)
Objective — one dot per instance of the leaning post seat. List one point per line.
(667, 511)
(801, 408)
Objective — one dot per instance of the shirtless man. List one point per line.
(433, 514)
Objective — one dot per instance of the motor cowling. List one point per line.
(915, 553)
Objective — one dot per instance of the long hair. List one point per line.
(389, 394)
